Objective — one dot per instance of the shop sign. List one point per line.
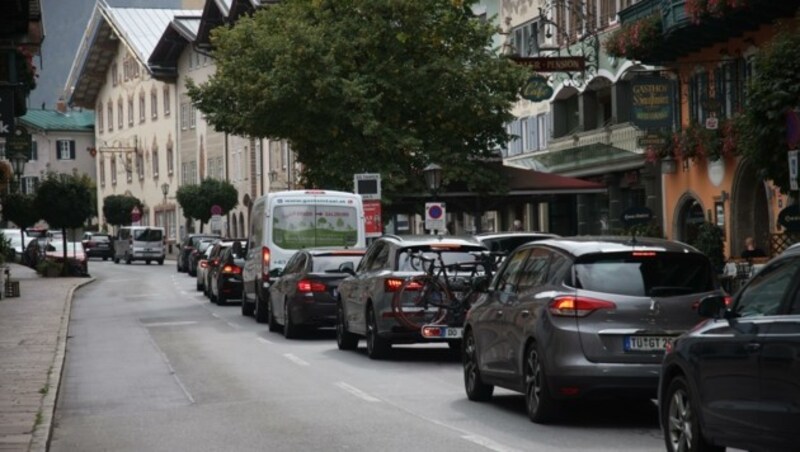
(651, 139)
(789, 218)
(372, 216)
(793, 170)
(652, 103)
(636, 216)
(20, 142)
(552, 64)
(537, 89)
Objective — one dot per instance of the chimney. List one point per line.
(61, 105)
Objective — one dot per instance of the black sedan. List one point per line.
(225, 274)
(98, 245)
(305, 294)
(734, 380)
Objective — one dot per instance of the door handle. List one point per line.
(525, 314)
(753, 347)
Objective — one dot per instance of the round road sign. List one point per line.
(435, 212)
(216, 210)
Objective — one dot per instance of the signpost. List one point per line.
(435, 216)
(368, 185)
(215, 223)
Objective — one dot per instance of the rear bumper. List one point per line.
(313, 312)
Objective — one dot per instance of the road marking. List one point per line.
(487, 443)
(261, 339)
(213, 314)
(144, 295)
(357, 392)
(233, 325)
(295, 359)
(183, 323)
(171, 369)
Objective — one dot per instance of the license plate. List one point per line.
(442, 332)
(646, 343)
(335, 292)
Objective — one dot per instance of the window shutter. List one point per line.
(72, 149)
(533, 137)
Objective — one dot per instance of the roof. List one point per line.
(52, 120)
(139, 28)
(180, 32)
(583, 245)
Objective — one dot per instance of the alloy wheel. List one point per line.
(533, 379)
(679, 421)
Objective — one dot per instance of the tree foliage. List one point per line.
(117, 209)
(358, 86)
(197, 200)
(64, 202)
(774, 90)
(19, 208)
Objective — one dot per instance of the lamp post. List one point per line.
(433, 177)
(18, 161)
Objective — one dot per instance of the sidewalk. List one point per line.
(33, 331)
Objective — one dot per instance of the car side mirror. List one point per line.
(480, 283)
(347, 267)
(711, 306)
(276, 273)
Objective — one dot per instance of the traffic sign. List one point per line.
(216, 210)
(435, 215)
(215, 223)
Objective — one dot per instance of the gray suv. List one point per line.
(364, 305)
(581, 317)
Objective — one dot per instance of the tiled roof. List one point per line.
(50, 120)
(143, 27)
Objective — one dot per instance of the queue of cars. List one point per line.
(575, 318)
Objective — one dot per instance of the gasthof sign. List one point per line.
(652, 102)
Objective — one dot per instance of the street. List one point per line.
(152, 365)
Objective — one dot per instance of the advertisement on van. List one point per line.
(315, 222)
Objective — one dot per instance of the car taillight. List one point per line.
(214, 262)
(572, 306)
(230, 269)
(307, 285)
(265, 255)
(394, 284)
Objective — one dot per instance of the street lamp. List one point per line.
(165, 190)
(18, 161)
(433, 177)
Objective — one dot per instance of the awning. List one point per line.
(581, 160)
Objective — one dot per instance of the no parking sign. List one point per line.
(435, 216)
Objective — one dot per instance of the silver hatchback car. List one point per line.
(582, 317)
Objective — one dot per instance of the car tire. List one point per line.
(116, 260)
(247, 308)
(105, 258)
(476, 389)
(261, 310)
(199, 286)
(161, 262)
(289, 330)
(539, 403)
(345, 340)
(680, 424)
(377, 347)
(273, 324)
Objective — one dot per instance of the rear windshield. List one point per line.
(454, 256)
(148, 235)
(325, 263)
(99, 238)
(311, 226)
(509, 244)
(202, 246)
(645, 274)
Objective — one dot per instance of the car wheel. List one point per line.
(261, 310)
(377, 347)
(116, 260)
(345, 340)
(273, 324)
(289, 330)
(540, 405)
(679, 420)
(247, 308)
(105, 258)
(476, 389)
(147, 262)
(161, 262)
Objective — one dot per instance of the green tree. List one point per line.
(196, 200)
(19, 208)
(117, 209)
(774, 90)
(367, 86)
(64, 202)
(709, 241)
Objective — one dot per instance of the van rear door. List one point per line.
(148, 242)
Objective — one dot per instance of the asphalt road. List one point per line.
(152, 365)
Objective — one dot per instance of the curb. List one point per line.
(42, 432)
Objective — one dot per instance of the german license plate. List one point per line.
(647, 343)
(442, 332)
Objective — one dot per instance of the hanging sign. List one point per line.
(651, 103)
(637, 216)
(552, 64)
(537, 89)
(789, 218)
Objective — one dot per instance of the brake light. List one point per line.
(230, 269)
(265, 255)
(394, 284)
(307, 285)
(728, 301)
(572, 306)
(644, 254)
(214, 262)
(431, 331)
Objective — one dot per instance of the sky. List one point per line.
(64, 25)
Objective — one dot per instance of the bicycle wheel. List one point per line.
(412, 301)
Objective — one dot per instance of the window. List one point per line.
(192, 116)
(66, 149)
(154, 104)
(140, 164)
(29, 184)
(129, 167)
(698, 93)
(35, 150)
(166, 101)
(506, 282)
(307, 226)
(527, 38)
(110, 108)
(155, 163)
(764, 294)
(543, 131)
(120, 114)
(102, 165)
(99, 112)
(141, 107)
(114, 74)
(114, 169)
(130, 111)
(608, 12)
(170, 168)
(730, 82)
(534, 272)
(184, 116)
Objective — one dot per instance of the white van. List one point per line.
(139, 243)
(284, 222)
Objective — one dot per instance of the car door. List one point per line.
(279, 290)
(490, 329)
(728, 364)
(352, 289)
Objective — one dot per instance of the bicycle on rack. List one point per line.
(442, 295)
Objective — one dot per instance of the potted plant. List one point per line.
(709, 241)
(49, 268)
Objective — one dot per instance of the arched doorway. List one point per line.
(749, 207)
(690, 215)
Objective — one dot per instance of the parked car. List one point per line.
(18, 241)
(364, 306)
(734, 379)
(582, 317)
(76, 256)
(506, 242)
(213, 262)
(226, 276)
(140, 243)
(202, 266)
(35, 251)
(186, 247)
(305, 293)
(198, 253)
(98, 244)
